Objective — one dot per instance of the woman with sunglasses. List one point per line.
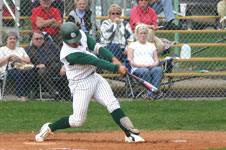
(115, 33)
(142, 13)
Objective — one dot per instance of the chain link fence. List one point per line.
(201, 76)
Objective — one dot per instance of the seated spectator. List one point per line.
(56, 4)
(167, 7)
(142, 13)
(116, 33)
(81, 16)
(144, 60)
(6, 13)
(15, 56)
(221, 9)
(59, 4)
(35, 3)
(47, 19)
(44, 54)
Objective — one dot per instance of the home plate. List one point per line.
(180, 141)
(38, 143)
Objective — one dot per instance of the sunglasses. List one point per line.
(41, 38)
(115, 13)
(143, 0)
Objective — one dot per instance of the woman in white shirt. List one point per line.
(144, 60)
(14, 55)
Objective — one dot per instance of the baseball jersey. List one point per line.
(80, 62)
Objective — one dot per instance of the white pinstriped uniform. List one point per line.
(85, 84)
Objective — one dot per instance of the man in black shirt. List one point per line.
(44, 54)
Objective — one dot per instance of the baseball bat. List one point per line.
(144, 83)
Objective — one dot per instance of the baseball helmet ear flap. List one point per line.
(70, 33)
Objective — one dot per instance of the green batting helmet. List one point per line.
(70, 33)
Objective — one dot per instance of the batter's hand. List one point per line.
(116, 61)
(122, 70)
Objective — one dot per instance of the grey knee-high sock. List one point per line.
(117, 115)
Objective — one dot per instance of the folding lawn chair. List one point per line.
(132, 89)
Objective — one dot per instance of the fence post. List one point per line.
(93, 18)
(17, 20)
(124, 7)
(1, 10)
(176, 35)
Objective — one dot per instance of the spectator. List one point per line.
(142, 13)
(35, 3)
(221, 9)
(6, 13)
(15, 56)
(47, 19)
(81, 16)
(44, 55)
(167, 7)
(56, 4)
(116, 33)
(144, 60)
(59, 4)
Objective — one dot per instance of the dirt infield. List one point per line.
(155, 140)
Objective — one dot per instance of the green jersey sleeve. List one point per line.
(86, 59)
(101, 51)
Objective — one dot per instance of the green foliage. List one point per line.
(145, 115)
(198, 38)
(26, 7)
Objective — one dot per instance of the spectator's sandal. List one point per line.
(145, 96)
(160, 95)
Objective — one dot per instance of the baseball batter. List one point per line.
(85, 83)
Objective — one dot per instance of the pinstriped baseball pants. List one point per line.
(96, 87)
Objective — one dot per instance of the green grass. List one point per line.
(160, 115)
(224, 148)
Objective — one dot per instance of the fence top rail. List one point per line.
(176, 45)
(127, 17)
(177, 17)
(173, 74)
(190, 31)
(202, 59)
(190, 74)
(201, 45)
(159, 31)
